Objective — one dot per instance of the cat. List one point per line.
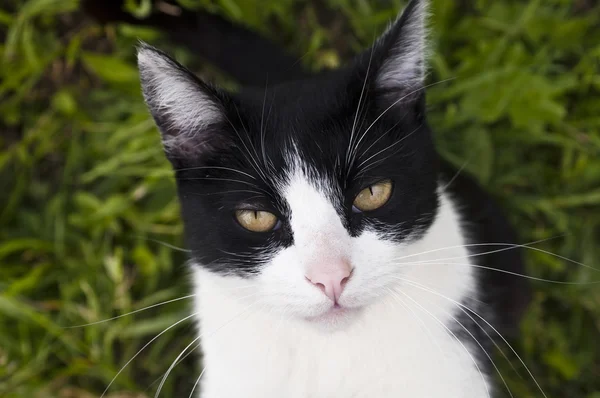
(334, 252)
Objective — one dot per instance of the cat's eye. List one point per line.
(374, 196)
(256, 220)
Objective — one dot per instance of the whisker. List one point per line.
(159, 378)
(197, 382)
(388, 147)
(445, 187)
(229, 180)
(433, 291)
(221, 179)
(173, 364)
(457, 339)
(477, 341)
(510, 247)
(526, 245)
(255, 157)
(226, 192)
(130, 313)
(266, 159)
(244, 256)
(218, 168)
(193, 341)
(488, 324)
(170, 246)
(504, 272)
(198, 344)
(262, 118)
(143, 348)
(482, 349)
(380, 137)
(421, 322)
(358, 107)
(253, 162)
(394, 104)
(398, 300)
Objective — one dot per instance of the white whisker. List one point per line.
(143, 348)
(379, 139)
(431, 290)
(445, 187)
(491, 326)
(170, 246)
(358, 107)
(225, 179)
(457, 339)
(476, 341)
(218, 168)
(164, 379)
(173, 364)
(511, 246)
(177, 363)
(131, 313)
(386, 148)
(197, 382)
(232, 191)
(503, 272)
(262, 120)
(394, 104)
(421, 322)
(253, 162)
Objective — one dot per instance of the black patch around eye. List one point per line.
(210, 193)
(311, 120)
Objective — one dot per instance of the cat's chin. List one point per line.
(335, 318)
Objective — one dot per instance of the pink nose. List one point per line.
(330, 277)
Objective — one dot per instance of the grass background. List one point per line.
(86, 197)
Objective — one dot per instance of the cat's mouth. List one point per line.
(336, 315)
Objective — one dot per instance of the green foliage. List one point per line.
(87, 201)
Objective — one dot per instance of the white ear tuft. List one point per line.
(404, 65)
(182, 106)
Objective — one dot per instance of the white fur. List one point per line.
(258, 343)
(171, 93)
(406, 65)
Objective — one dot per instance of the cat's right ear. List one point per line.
(187, 111)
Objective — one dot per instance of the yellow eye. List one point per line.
(256, 220)
(373, 197)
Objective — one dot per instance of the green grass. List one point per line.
(86, 196)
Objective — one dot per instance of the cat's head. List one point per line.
(310, 191)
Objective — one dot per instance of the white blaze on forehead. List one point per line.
(316, 225)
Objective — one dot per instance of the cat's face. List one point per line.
(305, 194)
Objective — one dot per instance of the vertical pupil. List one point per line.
(371, 190)
(256, 214)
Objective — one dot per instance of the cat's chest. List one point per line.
(393, 351)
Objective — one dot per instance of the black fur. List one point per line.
(319, 112)
(314, 117)
(235, 50)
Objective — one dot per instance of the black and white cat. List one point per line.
(334, 253)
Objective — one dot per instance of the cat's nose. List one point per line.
(330, 277)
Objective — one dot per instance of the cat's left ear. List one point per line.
(398, 58)
(188, 112)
